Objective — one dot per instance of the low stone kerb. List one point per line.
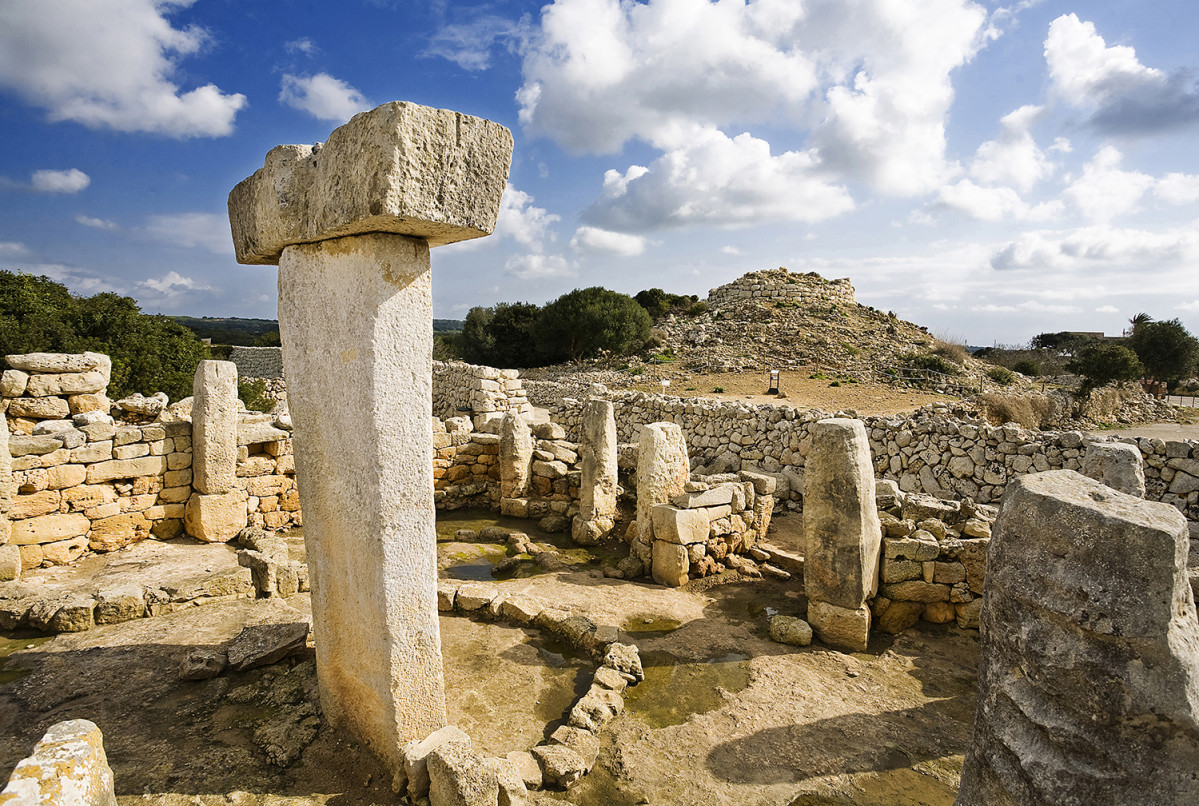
(400, 168)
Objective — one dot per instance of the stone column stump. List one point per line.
(350, 224)
(842, 534)
(215, 512)
(598, 479)
(663, 471)
(1089, 670)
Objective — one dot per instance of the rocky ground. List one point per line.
(725, 716)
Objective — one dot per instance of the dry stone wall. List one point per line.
(92, 483)
(485, 393)
(780, 285)
(932, 451)
(258, 362)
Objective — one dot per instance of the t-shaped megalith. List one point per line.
(350, 224)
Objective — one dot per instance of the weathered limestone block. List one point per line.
(416, 754)
(70, 383)
(215, 518)
(598, 482)
(1089, 676)
(682, 526)
(126, 469)
(516, 455)
(110, 534)
(68, 766)
(214, 427)
(49, 528)
(1116, 464)
(6, 485)
(841, 527)
(670, 563)
(61, 362)
(40, 408)
(840, 627)
(12, 383)
(662, 472)
(400, 168)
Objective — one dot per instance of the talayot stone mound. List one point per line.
(1089, 678)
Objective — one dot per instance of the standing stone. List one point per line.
(663, 471)
(214, 427)
(516, 456)
(355, 316)
(841, 530)
(1089, 675)
(5, 483)
(68, 766)
(598, 480)
(1116, 464)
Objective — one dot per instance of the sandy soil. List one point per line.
(802, 391)
(725, 716)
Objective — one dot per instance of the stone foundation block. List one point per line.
(215, 518)
(840, 627)
(670, 564)
(68, 766)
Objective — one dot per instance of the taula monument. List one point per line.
(350, 223)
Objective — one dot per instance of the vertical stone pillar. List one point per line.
(215, 512)
(1116, 464)
(516, 456)
(350, 224)
(10, 556)
(842, 534)
(598, 481)
(663, 471)
(1089, 669)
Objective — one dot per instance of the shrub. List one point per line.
(718, 390)
(1100, 363)
(835, 383)
(929, 361)
(850, 349)
(585, 321)
(1001, 375)
(1166, 349)
(954, 351)
(252, 392)
(1027, 367)
(1030, 411)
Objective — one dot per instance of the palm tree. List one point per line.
(1138, 320)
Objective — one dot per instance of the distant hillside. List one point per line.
(248, 332)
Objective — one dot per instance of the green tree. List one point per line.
(149, 353)
(512, 328)
(1167, 349)
(478, 345)
(1063, 343)
(585, 321)
(655, 301)
(1101, 363)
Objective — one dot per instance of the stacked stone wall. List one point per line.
(486, 393)
(780, 285)
(92, 483)
(930, 451)
(258, 362)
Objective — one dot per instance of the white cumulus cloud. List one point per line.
(192, 230)
(594, 239)
(538, 267)
(994, 203)
(1121, 94)
(96, 223)
(868, 84)
(71, 180)
(322, 96)
(1105, 191)
(713, 180)
(110, 65)
(1014, 159)
(172, 284)
(1177, 188)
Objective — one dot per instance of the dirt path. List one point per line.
(725, 716)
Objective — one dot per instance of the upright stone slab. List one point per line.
(355, 317)
(516, 456)
(663, 470)
(598, 481)
(5, 483)
(842, 533)
(214, 427)
(1116, 464)
(1089, 675)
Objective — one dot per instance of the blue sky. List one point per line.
(989, 169)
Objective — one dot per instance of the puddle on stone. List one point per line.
(644, 625)
(462, 564)
(674, 690)
(11, 646)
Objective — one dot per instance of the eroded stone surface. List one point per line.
(1116, 464)
(400, 168)
(1089, 679)
(841, 525)
(68, 766)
